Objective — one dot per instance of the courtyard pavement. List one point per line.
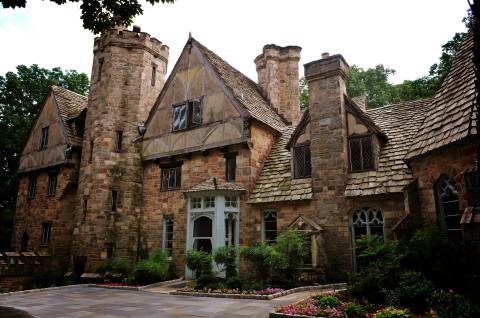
(86, 302)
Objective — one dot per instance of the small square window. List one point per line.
(196, 203)
(361, 153)
(231, 202)
(52, 183)
(171, 177)
(46, 233)
(210, 202)
(43, 138)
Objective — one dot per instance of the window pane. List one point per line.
(367, 153)
(308, 163)
(180, 117)
(231, 166)
(203, 245)
(355, 155)
(298, 164)
(210, 202)
(196, 111)
(270, 226)
(202, 227)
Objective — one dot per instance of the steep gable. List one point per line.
(60, 106)
(451, 116)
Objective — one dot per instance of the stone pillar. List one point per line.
(327, 87)
(128, 74)
(277, 69)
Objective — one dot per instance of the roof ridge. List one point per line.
(68, 90)
(400, 103)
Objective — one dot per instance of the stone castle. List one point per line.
(208, 158)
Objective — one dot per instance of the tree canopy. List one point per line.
(21, 94)
(99, 15)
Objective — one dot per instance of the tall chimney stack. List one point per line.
(277, 69)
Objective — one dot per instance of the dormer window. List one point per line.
(302, 166)
(361, 153)
(187, 115)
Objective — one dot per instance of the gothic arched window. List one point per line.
(448, 207)
(366, 221)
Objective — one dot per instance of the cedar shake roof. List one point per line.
(70, 106)
(243, 89)
(275, 182)
(212, 184)
(452, 115)
(399, 122)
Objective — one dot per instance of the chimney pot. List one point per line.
(325, 55)
(137, 28)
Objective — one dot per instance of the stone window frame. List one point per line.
(46, 238)
(360, 138)
(52, 183)
(168, 234)
(154, 74)
(167, 171)
(368, 224)
(193, 114)
(230, 166)
(273, 213)
(447, 186)
(306, 161)
(43, 138)
(32, 186)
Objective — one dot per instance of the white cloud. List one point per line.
(404, 35)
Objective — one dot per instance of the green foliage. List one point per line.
(227, 257)
(325, 301)
(279, 264)
(98, 15)
(450, 304)
(354, 310)
(303, 90)
(207, 281)
(114, 269)
(152, 270)
(21, 94)
(200, 262)
(392, 312)
(413, 291)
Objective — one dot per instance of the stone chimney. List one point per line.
(326, 80)
(277, 69)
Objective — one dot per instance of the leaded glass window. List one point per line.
(210, 202)
(366, 221)
(361, 153)
(231, 202)
(196, 203)
(448, 207)
(302, 166)
(187, 115)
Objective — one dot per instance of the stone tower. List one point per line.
(128, 74)
(277, 69)
(327, 79)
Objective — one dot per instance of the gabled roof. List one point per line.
(452, 115)
(275, 182)
(70, 106)
(299, 130)
(399, 122)
(213, 184)
(355, 110)
(245, 91)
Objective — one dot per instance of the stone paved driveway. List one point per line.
(112, 303)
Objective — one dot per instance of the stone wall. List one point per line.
(121, 94)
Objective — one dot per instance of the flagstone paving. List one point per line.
(86, 302)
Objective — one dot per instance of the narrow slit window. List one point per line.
(85, 206)
(90, 154)
(168, 235)
(231, 167)
(119, 140)
(100, 68)
(114, 203)
(46, 233)
(43, 138)
(154, 74)
(52, 183)
(32, 186)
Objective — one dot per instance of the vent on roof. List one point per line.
(137, 28)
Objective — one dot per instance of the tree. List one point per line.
(99, 15)
(21, 95)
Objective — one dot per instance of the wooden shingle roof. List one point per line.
(243, 89)
(213, 184)
(399, 122)
(451, 116)
(70, 106)
(275, 182)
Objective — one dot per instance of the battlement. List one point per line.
(122, 37)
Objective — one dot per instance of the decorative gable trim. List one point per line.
(305, 224)
(360, 115)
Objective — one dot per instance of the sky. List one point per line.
(405, 35)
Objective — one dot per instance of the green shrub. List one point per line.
(257, 256)
(325, 301)
(114, 270)
(392, 312)
(413, 291)
(236, 282)
(152, 270)
(199, 262)
(450, 304)
(207, 281)
(354, 310)
(226, 256)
